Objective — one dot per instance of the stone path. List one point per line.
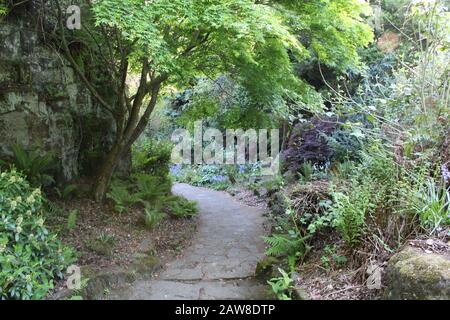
(221, 261)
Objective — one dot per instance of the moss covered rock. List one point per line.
(414, 275)
(265, 268)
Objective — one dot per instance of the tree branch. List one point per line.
(75, 66)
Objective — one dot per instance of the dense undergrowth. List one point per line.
(364, 133)
(383, 178)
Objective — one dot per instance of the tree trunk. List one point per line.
(106, 171)
(133, 130)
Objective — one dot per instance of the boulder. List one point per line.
(413, 274)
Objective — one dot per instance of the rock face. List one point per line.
(44, 106)
(415, 275)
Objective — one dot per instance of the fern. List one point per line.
(121, 196)
(67, 192)
(153, 216)
(350, 212)
(179, 207)
(38, 168)
(151, 188)
(72, 219)
(285, 245)
(307, 170)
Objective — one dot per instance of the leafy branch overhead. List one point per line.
(170, 42)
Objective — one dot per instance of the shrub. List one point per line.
(150, 188)
(39, 169)
(431, 204)
(154, 194)
(120, 194)
(282, 287)
(72, 219)
(306, 171)
(67, 192)
(153, 216)
(350, 210)
(179, 207)
(30, 257)
(152, 157)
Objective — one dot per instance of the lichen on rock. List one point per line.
(415, 275)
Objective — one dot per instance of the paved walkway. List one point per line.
(221, 261)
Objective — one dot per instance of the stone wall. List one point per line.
(44, 106)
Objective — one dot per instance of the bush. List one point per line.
(432, 205)
(153, 216)
(152, 157)
(154, 194)
(179, 207)
(350, 210)
(120, 194)
(150, 188)
(30, 256)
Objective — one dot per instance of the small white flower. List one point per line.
(19, 220)
(13, 205)
(28, 278)
(28, 213)
(3, 174)
(40, 222)
(19, 199)
(30, 199)
(2, 247)
(19, 229)
(13, 179)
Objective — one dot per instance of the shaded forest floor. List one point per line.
(105, 240)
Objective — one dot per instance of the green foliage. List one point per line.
(326, 218)
(121, 196)
(77, 293)
(106, 239)
(346, 144)
(254, 43)
(432, 204)
(217, 177)
(72, 219)
(154, 194)
(30, 256)
(152, 157)
(103, 244)
(3, 8)
(344, 169)
(174, 206)
(282, 286)
(307, 170)
(350, 210)
(67, 192)
(289, 245)
(179, 207)
(150, 188)
(153, 216)
(330, 258)
(38, 168)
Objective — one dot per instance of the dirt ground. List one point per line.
(104, 239)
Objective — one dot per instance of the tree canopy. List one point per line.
(257, 44)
